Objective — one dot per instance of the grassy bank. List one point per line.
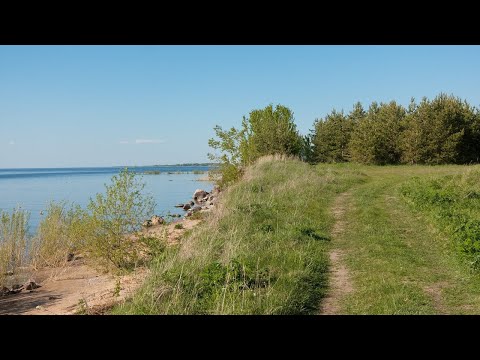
(263, 250)
(400, 256)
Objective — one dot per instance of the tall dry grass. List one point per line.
(62, 231)
(13, 242)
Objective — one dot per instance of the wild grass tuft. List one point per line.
(13, 242)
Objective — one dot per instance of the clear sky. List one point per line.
(66, 106)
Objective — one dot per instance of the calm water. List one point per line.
(33, 189)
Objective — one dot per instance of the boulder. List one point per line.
(196, 208)
(187, 206)
(147, 223)
(198, 195)
(16, 289)
(31, 284)
(70, 256)
(157, 220)
(4, 291)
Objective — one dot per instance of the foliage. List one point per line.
(444, 130)
(13, 241)
(331, 137)
(228, 143)
(116, 214)
(375, 139)
(62, 231)
(266, 131)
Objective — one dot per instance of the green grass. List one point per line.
(409, 236)
(452, 203)
(263, 251)
(401, 261)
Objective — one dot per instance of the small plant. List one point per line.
(82, 307)
(116, 290)
(153, 246)
(178, 226)
(116, 214)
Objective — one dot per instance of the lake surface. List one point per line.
(33, 189)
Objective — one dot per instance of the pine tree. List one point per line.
(375, 139)
(444, 130)
(331, 137)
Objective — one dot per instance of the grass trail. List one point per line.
(399, 263)
(340, 283)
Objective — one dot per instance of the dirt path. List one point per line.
(340, 283)
(80, 286)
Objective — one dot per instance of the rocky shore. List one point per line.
(201, 201)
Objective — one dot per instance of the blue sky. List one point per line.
(66, 106)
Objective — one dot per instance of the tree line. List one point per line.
(445, 130)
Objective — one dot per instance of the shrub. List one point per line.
(117, 214)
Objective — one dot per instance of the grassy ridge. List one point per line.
(263, 251)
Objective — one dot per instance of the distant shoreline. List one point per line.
(210, 165)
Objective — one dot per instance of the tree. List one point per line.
(117, 214)
(375, 139)
(331, 138)
(230, 160)
(271, 132)
(266, 131)
(444, 130)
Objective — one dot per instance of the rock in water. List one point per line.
(157, 220)
(186, 206)
(179, 205)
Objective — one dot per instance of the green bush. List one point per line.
(114, 216)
